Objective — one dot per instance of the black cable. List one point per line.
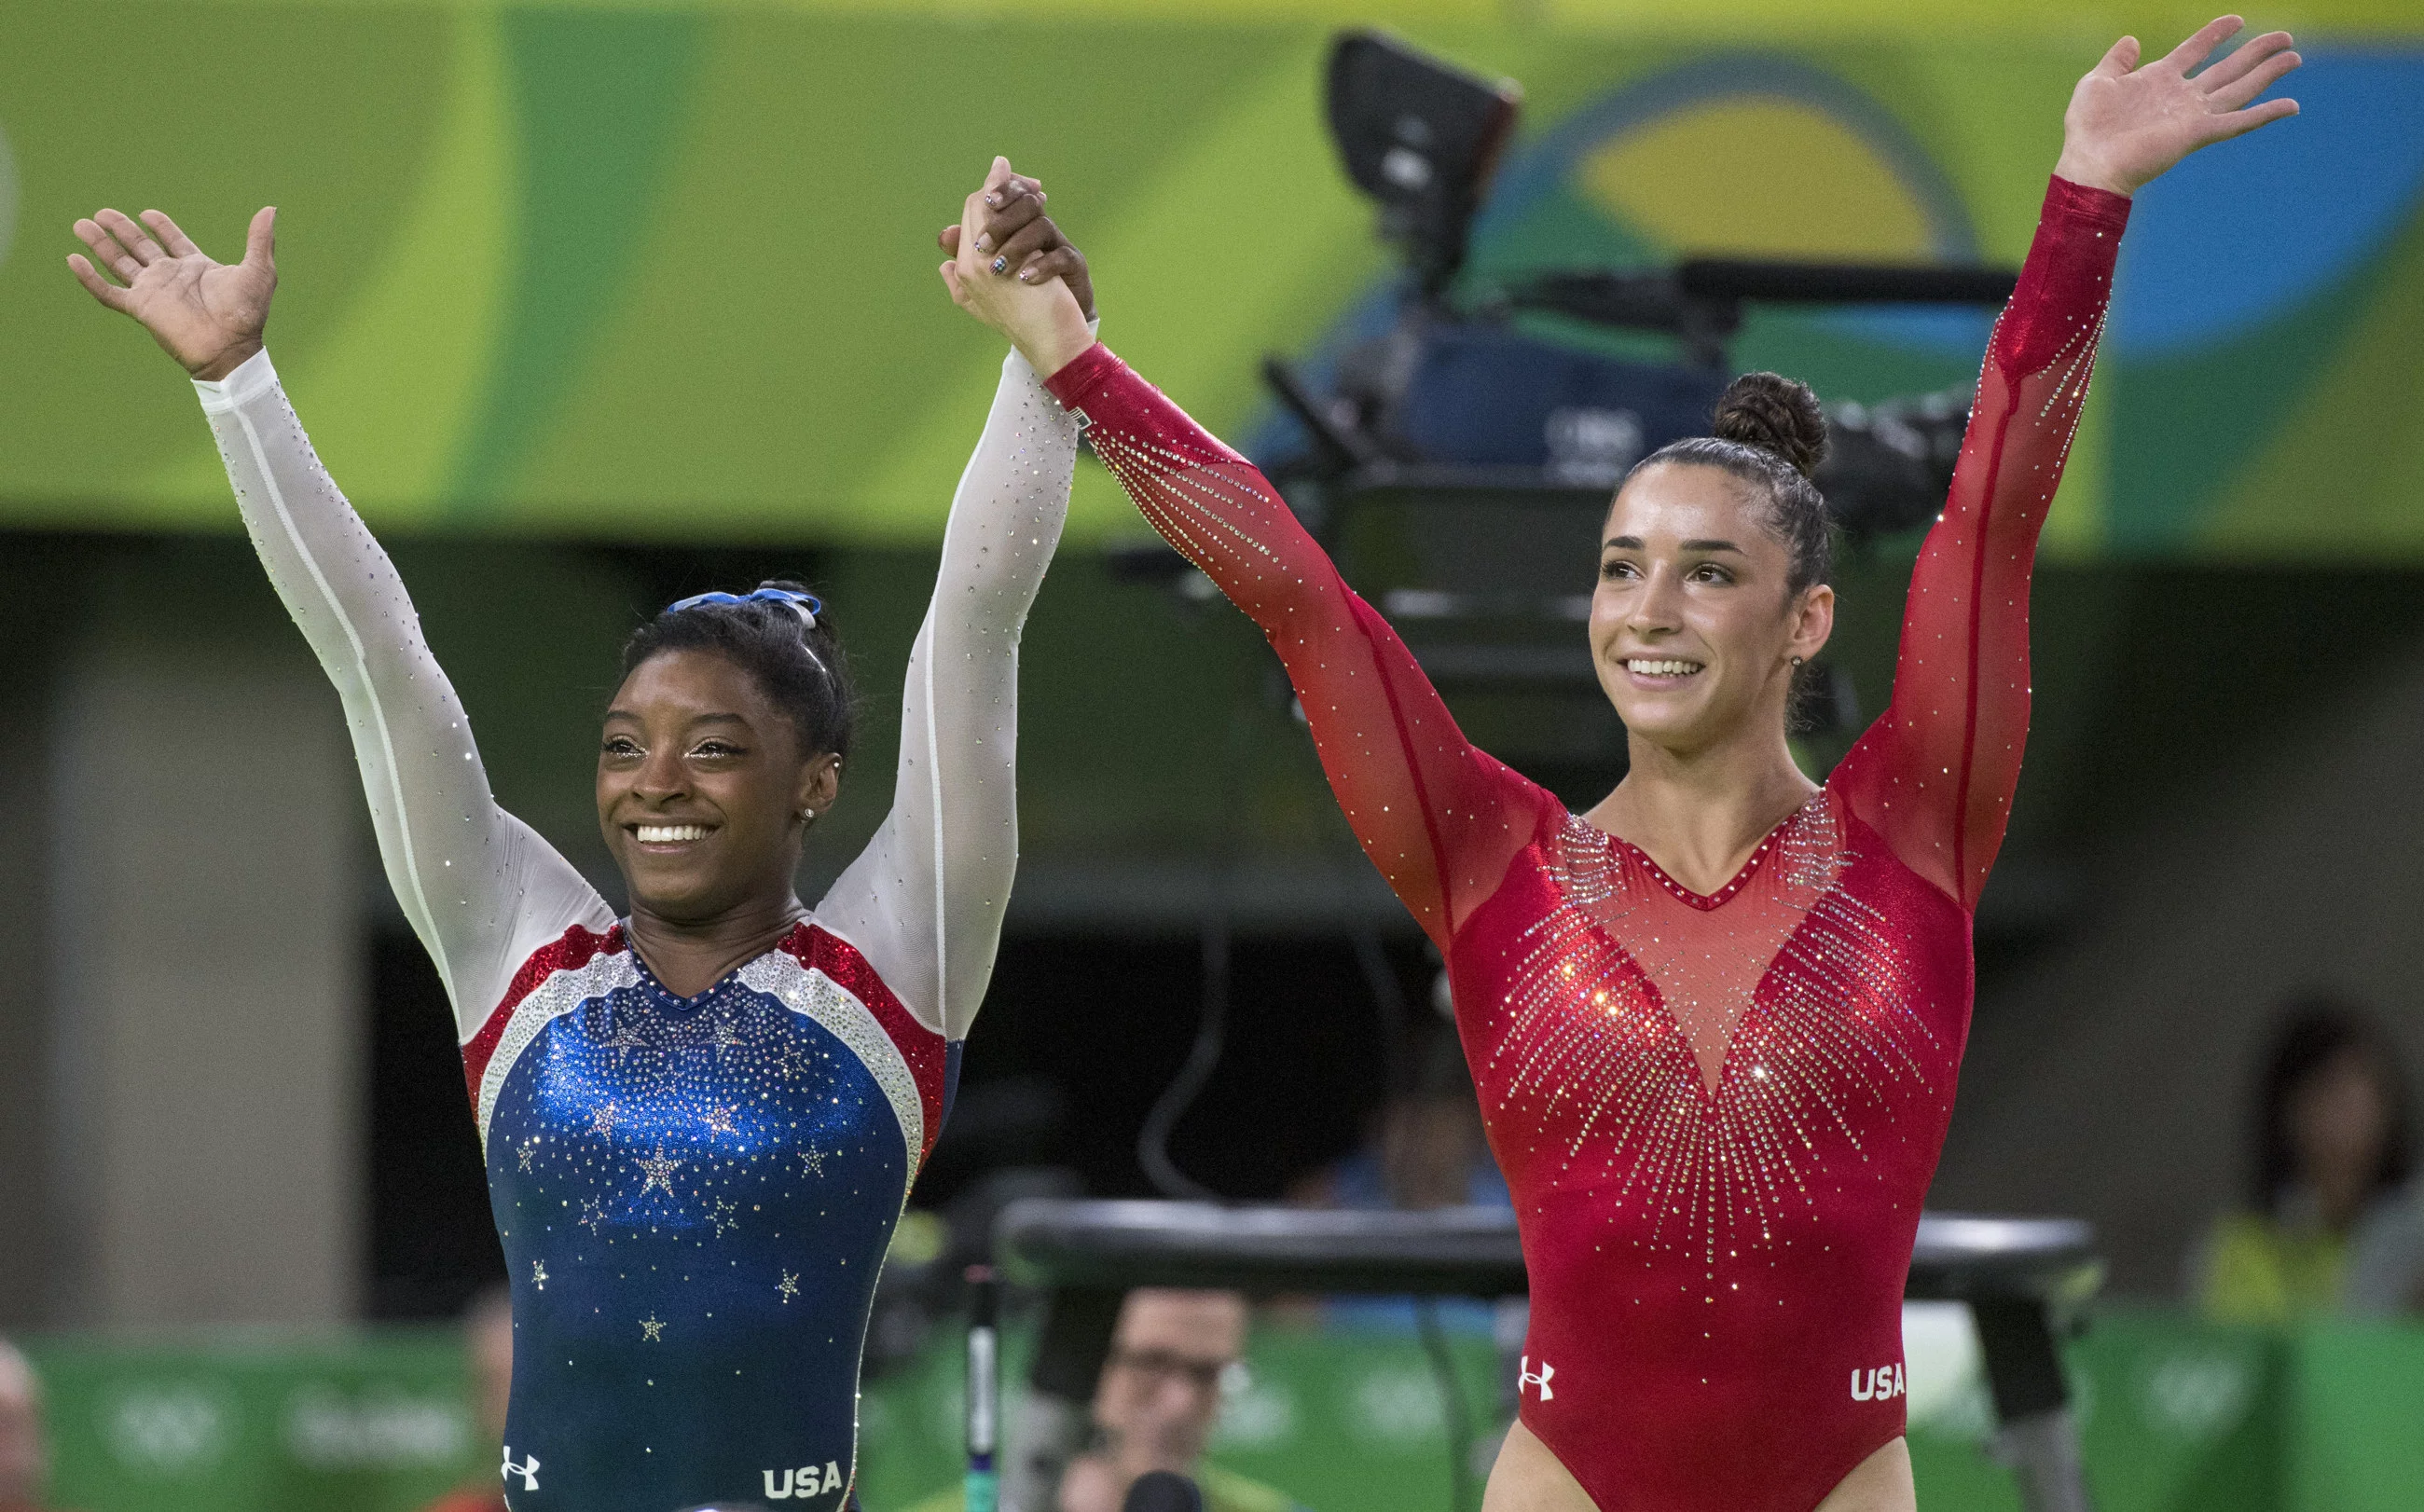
(1212, 1027)
(1455, 1419)
(1203, 1057)
(1389, 1001)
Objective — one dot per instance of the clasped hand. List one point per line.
(1013, 269)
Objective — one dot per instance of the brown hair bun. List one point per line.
(1775, 414)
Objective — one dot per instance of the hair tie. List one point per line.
(807, 606)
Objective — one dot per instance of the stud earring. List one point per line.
(1796, 661)
(808, 816)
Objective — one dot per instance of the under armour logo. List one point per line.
(1524, 1378)
(528, 1471)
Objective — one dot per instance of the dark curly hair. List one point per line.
(800, 668)
(1769, 432)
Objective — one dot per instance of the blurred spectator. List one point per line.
(1426, 1150)
(1156, 1403)
(2331, 1157)
(489, 1343)
(25, 1464)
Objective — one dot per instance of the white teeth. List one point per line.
(668, 833)
(1661, 669)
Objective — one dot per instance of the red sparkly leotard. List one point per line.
(1717, 1114)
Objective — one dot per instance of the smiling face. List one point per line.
(1694, 624)
(700, 784)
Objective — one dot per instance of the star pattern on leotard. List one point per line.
(659, 1171)
(524, 1153)
(669, 1134)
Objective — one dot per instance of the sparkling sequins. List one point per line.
(559, 994)
(1685, 1058)
(698, 1189)
(816, 996)
(659, 1171)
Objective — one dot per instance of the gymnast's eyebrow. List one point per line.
(1632, 543)
(696, 718)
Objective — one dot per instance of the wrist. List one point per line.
(1055, 343)
(2085, 171)
(227, 361)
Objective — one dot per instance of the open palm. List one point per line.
(2128, 124)
(207, 315)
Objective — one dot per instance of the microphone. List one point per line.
(1158, 1490)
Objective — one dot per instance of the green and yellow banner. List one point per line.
(667, 271)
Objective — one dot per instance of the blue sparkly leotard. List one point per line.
(694, 1194)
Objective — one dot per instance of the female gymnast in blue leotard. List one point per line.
(700, 1118)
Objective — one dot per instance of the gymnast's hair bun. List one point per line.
(1775, 414)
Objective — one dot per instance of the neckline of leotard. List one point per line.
(699, 998)
(1705, 902)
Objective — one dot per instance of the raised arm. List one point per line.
(479, 887)
(924, 901)
(1438, 816)
(1935, 773)
(1439, 819)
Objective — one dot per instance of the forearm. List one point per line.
(2033, 387)
(1007, 514)
(1208, 501)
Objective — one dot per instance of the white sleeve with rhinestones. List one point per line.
(481, 889)
(924, 901)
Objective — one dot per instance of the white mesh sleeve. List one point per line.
(924, 901)
(481, 889)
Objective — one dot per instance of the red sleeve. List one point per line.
(1439, 818)
(1935, 774)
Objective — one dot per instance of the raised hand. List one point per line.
(1012, 271)
(2126, 124)
(207, 315)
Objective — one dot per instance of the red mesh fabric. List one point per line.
(1935, 774)
(1438, 816)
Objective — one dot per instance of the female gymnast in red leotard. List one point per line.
(1716, 1021)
